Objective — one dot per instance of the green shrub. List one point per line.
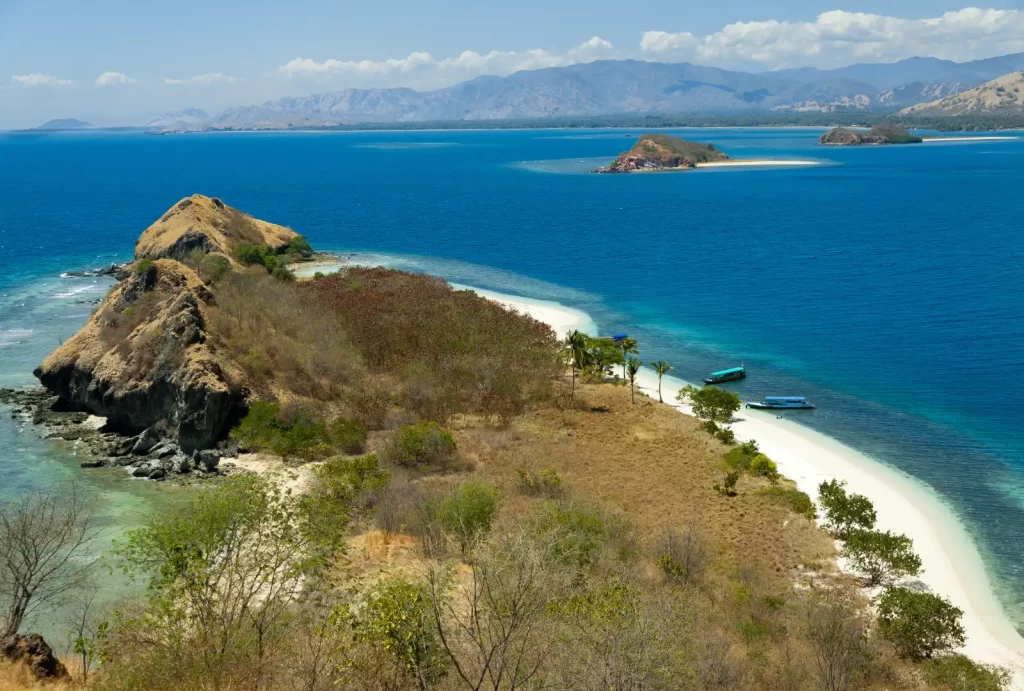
(249, 254)
(577, 532)
(420, 444)
(740, 457)
(300, 246)
(546, 483)
(143, 266)
(350, 481)
(919, 624)
(213, 267)
(466, 513)
(318, 275)
(729, 482)
(397, 619)
(726, 436)
(295, 432)
(762, 466)
(798, 501)
(283, 273)
(959, 673)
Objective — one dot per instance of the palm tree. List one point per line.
(632, 367)
(628, 346)
(661, 368)
(577, 354)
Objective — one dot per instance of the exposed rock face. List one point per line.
(142, 360)
(662, 152)
(209, 225)
(34, 652)
(885, 133)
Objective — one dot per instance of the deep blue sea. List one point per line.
(885, 284)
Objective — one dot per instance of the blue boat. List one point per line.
(781, 403)
(725, 375)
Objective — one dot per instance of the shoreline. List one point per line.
(952, 564)
(925, 140)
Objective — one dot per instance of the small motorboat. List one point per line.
(733, 374)
(781, 403)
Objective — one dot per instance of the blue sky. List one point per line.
(115, 61)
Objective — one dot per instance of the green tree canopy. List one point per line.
(710, 402)
(844, 512)
(919, 624)
(882, 556)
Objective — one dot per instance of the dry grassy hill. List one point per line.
(1002, 95)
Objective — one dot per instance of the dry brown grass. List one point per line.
(657, 468)
(18, 678)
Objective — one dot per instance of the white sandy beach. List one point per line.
(969, 139)
(952, 565)
(768, 162)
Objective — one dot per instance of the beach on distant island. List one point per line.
(952, 564)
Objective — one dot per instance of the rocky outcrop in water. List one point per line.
(879, 134)
(142, 360)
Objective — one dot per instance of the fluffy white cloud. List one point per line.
(839, 38)
(211, 78)
(113, 78)
(36, 79)
(467, 64)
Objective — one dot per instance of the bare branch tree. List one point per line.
(45, 541)
(491, 627)
(837, 637)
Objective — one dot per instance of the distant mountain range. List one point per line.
(628, 86)
(1004, 94)
(617, 87)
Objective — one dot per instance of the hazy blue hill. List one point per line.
(64, 124)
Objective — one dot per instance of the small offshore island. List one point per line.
(885, 133)
(663, 152)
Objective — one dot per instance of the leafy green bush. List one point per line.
(740, 457)
(283, 273)
(546, 483)
(577, 533)
(798, 501)
(919, 624)
(318, 275)
(843, 512)
(347, 479)
(295, 432)
(466, 513)
(762, 466)
(710, 402)
(726, 436)
(300, 246)
(249, 254)
(398, 619)
(960, 673)
(420, 444)
(143, 266)
(729, 482)
(213, 267)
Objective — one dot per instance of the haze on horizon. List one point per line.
(121, 63)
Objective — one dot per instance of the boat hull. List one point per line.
(766, 406)
(727, 378)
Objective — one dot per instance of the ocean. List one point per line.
(884, 284)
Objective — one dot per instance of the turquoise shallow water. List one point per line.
(885, 284)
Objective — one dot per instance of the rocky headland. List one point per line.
(663, 152)
(877, 135)
(142, 384)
